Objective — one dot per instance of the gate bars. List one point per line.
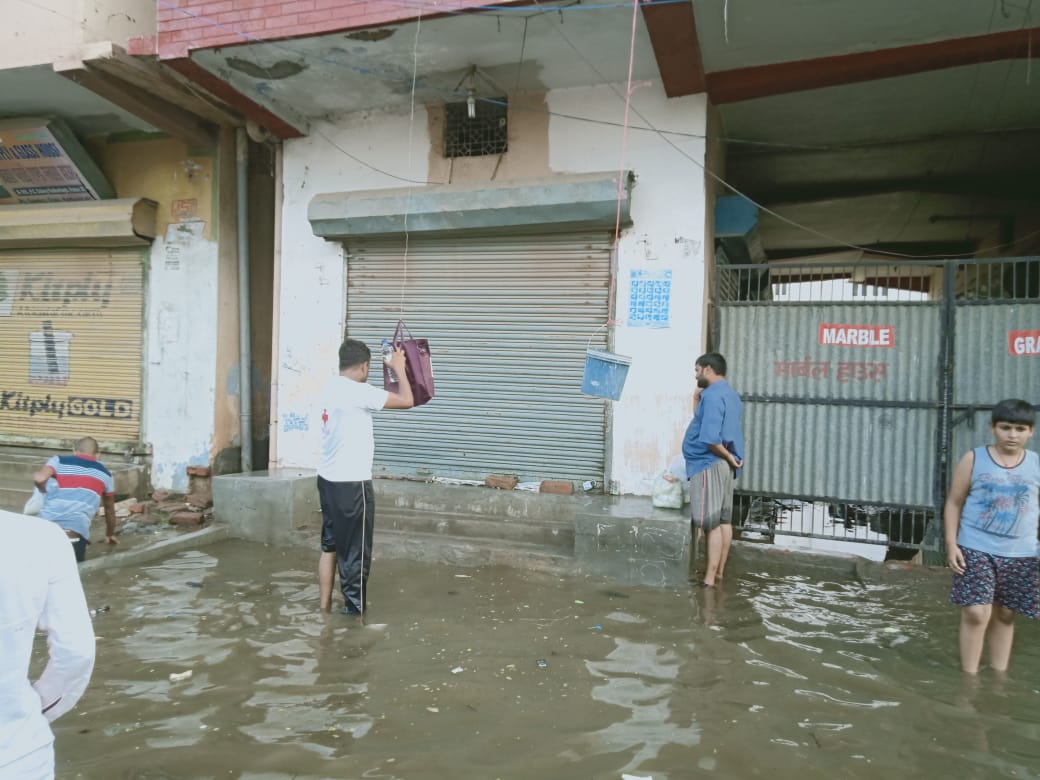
(863, 381)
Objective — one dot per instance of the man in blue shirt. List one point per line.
(714, 451)
(81, 485)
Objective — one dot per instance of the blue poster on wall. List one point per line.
(649, 295)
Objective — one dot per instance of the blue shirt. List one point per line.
(81, 482)
(716, 421)
(1000, 512)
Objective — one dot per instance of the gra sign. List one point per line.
(1024, 343)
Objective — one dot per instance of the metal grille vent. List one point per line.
(484, 134)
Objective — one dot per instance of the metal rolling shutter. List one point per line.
(70, 346)
(508, 319)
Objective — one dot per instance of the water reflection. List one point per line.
(776, 674)
(639, 677)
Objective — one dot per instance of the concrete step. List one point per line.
(625, 539)
(18, 464)
(466, 552)
(495, 529)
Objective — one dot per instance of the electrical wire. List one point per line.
(648, 126)
(820, 234)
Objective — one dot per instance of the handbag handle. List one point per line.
(399, 332)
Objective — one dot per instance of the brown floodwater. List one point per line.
(785, 672)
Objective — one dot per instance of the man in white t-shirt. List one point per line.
(39, 588)
(345, 473)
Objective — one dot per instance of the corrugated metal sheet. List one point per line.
(775, 350)
(509, 320)
(855, 453)
(971, 432)
(986, 371)
(70, 345)
(841, 449)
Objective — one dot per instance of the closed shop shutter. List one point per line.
(509, 320)
(70, 346)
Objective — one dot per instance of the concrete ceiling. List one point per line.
(831, 157)
(320, 76)
(745, 33)
(822, 102)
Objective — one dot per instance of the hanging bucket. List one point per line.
(605, 374)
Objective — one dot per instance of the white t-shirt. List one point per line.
(39, 588)
(347, 443)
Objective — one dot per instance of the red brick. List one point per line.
(185, 518)
(137, 509)
(198, 471)
(200, 500)
(161, 495)
(500, 481)
(142, 46)
(280, 22)
(213, 8)
(558, 486)
(296, 7)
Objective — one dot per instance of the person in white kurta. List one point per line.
(39, 589)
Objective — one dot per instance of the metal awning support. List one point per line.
(572, 202)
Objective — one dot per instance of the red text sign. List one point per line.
(1024, 343)
(831, 334)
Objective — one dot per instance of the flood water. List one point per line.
(500, 673)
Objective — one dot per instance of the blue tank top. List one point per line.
(1001, 512)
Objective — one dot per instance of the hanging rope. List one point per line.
(411, 128)
(621, 194)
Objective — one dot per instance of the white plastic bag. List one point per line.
(35, 503)
(667, 491)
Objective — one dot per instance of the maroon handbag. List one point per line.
(418, 365)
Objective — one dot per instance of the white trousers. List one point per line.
(38, 765)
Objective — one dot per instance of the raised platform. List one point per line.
(622, 538)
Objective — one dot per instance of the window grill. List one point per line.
(484, 134)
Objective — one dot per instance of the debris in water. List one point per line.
(180, 676)
(99, 611)
(457, 670)
(542, 663)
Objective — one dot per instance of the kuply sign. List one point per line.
(831, 334)
(1024, 343)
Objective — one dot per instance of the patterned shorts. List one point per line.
(1012, 583)
(711, 496)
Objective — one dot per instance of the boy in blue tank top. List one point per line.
(990, 520)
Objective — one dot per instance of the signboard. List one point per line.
(42, 162)
(856, 335)
(1024, 343)
(649, 298)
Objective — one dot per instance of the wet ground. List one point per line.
(498, 673)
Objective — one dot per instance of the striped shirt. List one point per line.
(81, 482)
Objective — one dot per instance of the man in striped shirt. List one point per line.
(81, 484)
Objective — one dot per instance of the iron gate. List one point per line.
(863, 382)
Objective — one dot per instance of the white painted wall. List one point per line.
(180, 373)
(668, 233)
(43, 31)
